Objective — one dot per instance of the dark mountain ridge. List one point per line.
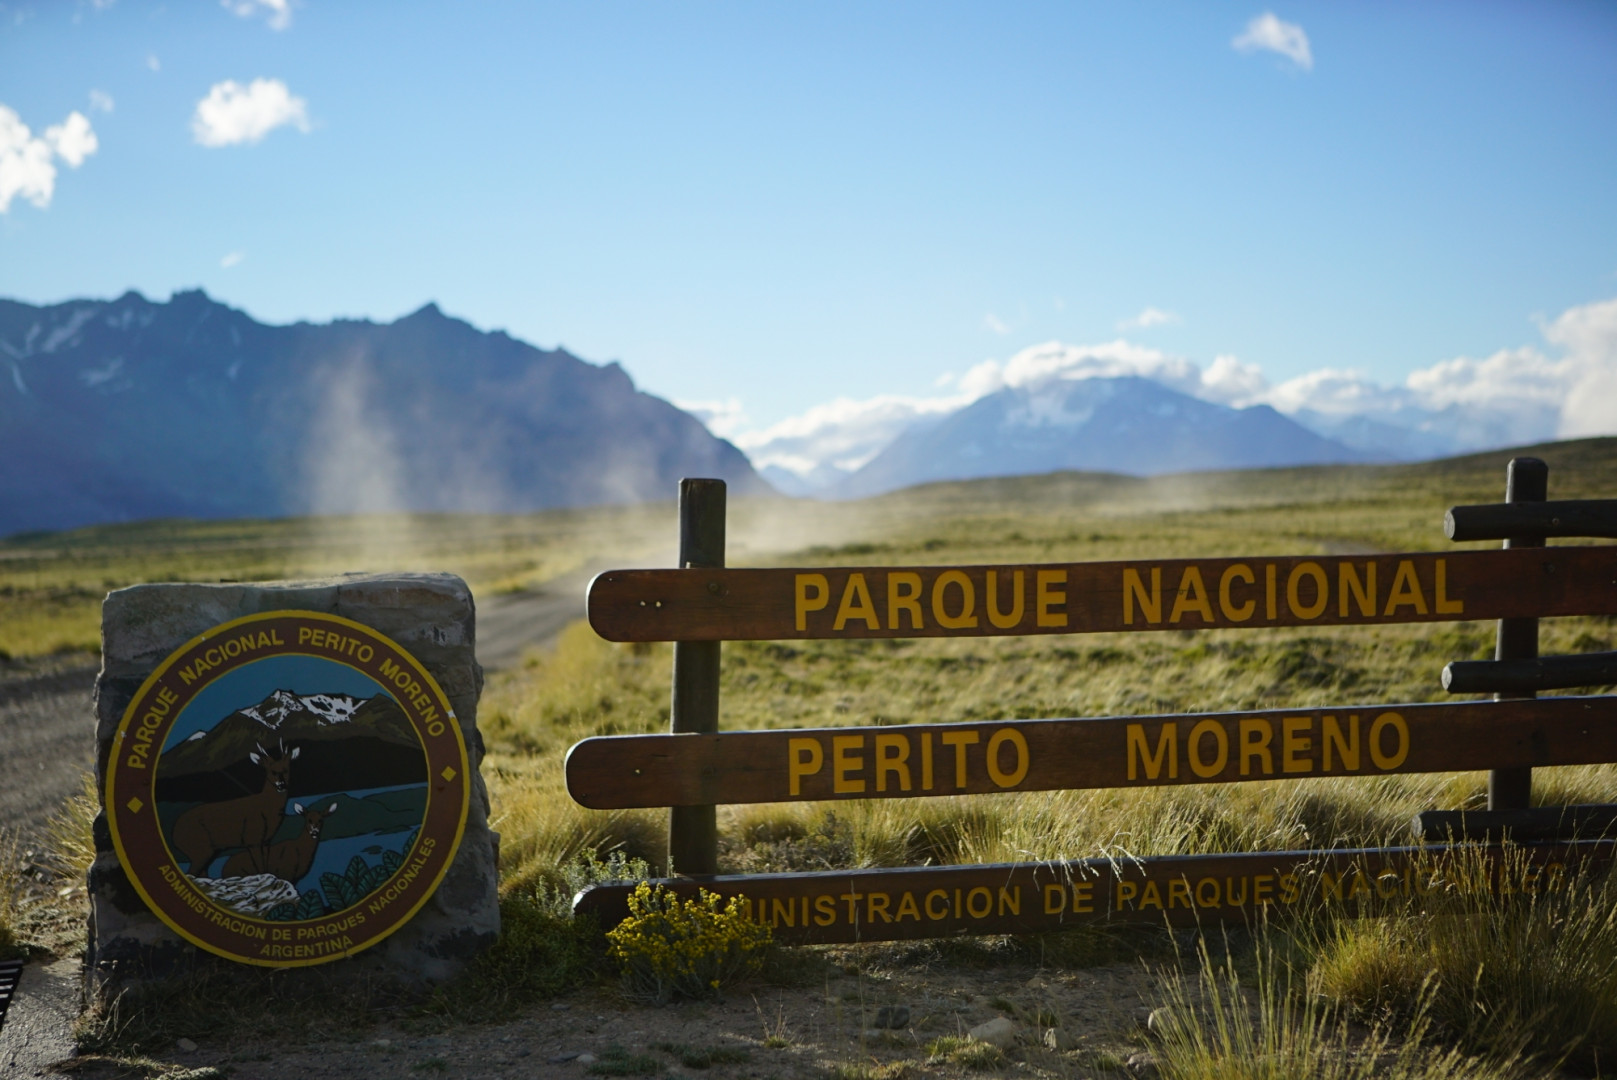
(126, 409)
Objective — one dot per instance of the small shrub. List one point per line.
(965, 1051)
(670, 948)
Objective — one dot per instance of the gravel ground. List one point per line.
(761, 1031)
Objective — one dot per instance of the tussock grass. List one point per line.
(1504, 979)
(11, 896)
(1266, 1023)
(1523, 973)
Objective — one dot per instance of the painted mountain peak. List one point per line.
(343, 743)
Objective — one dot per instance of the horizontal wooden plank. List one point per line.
(1497, 521)
(1534, 673)
(1584, 821)
(1075, 598)
(919, 760)
(847, 906)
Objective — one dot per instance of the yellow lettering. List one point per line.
(813, 593)
(908, 600)
(959, 740)
(968, 601)
(1232, 611)
(844, 762)
(876, 904)
(1297, 737)
(1049, 596)
(1055, 899)
(907, 906)
(1151, 897)
(1194, 749)
(1348, 748)
(1364, 594)
(805, 758)
(1203, 897)
(1289, 892)
(1010, 902)
(1270, 608)
(856, 604)
(1294, 592)
(937, 894)
(781, 911)
(1262, 886)
(995, 741)
(1134, 589)
(1256, 734)
(1179, 894)
(1005, 622)
(1444, 605)
(971, 903)
(1401, 729)
(1083, 896)
(825, 910)
(1139, 750)
(1126, 892)
(1191, 596)
(1405, 589)
(892, 755)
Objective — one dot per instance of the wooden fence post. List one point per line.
(1526, 480)
(693, 839)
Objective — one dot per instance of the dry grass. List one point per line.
(1256, 1017)
(1528, 973)
(1417, 976)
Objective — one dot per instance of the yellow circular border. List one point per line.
(151, 680)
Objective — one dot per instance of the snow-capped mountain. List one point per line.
(125, 409)
(327, 708)
(1125, 424)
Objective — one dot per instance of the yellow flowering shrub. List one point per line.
(671, 948)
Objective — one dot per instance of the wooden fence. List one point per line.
(695, 766)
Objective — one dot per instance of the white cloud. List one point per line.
(992, 322)
(153, 63)
(1275, 35)
(1589, 336)
(1149, 317)
(1230, 382)
(1564, 388)
(232, 114)
(722, 418)
(279, 12)
(73, 139)
(100, 101)
(840, 435)
(1058, 361)
(232, 259)
(28, 162)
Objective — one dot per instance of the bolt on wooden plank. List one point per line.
(919, 760)
(1100, 597)
(848, 906)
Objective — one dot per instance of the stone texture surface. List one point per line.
(433, 617)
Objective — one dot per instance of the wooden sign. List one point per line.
(1100, 597)
(287, 789)
(918, 760)
(847, 906)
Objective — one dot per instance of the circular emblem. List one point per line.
(287, 789)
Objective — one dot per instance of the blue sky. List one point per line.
(775, 206)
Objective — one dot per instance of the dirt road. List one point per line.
(47, 721)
